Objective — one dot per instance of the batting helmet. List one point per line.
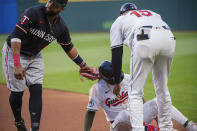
(60, 2)
(105, 71)
(127, 6)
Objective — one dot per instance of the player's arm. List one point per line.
(17, 35)
(89, 117)
(19, 71)
(91, 108)
(117, 51)
(116, 68)
(74, 55)
(65, 41)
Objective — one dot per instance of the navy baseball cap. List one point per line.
(61, 3)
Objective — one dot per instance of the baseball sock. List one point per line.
(178, 116)
(16, 104)
(35, 105)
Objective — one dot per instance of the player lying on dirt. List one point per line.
(116, 109)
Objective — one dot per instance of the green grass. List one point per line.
(62, 74)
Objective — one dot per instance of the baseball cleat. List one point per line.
(20, 125)
(191, 126)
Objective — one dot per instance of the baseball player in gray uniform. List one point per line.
(153, 47)
(22, 60)
(116, 110)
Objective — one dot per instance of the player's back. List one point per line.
(138, 18)
(130, 23)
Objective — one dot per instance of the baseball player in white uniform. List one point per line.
(116, 110)
(153, 46)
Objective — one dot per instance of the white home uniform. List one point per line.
(101, 94)
(155, 53)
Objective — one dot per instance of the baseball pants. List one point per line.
(34, 70)
(150, 113)
(156, 54)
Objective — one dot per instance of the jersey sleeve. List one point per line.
(116, 39)
(93, 103)
(65, 41)
(24, 24)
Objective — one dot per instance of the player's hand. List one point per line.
(19, 72)
(116, 90)
(89, 73)
(86, 69)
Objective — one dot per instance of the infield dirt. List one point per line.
(62, 111)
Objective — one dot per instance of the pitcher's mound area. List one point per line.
(62, 111)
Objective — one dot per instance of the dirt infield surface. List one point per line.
(62, 111)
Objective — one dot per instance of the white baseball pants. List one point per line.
(156, 54)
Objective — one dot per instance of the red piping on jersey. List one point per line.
(43, 46)
(7, 66)
(21, 29)
(66, 44)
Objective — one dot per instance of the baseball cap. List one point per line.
(60, 2)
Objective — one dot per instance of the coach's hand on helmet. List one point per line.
(116, 90)
(19, 72)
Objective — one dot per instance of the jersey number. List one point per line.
(140, 13)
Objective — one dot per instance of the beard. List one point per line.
(51, 13)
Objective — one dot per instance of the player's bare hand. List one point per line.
(89, 73)
(19, 72)
(86, 69)
(116, 90)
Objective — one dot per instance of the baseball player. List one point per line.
(116, 110)
(153, 46)
(22, 60)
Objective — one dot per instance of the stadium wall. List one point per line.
(91, 15)
(8, 15)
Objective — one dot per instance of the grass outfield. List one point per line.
(62, 74)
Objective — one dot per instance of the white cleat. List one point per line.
(191, 126)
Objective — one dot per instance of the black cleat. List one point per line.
(20, 125)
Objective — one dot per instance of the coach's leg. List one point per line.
(161, 69)
(141, 66)
(35, 105)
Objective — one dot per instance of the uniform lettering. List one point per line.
(115, 101)
(140, 13)
(41, 34)
(49, 38)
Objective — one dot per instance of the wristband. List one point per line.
(79, 61)
(15, 40)
(16, 59)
